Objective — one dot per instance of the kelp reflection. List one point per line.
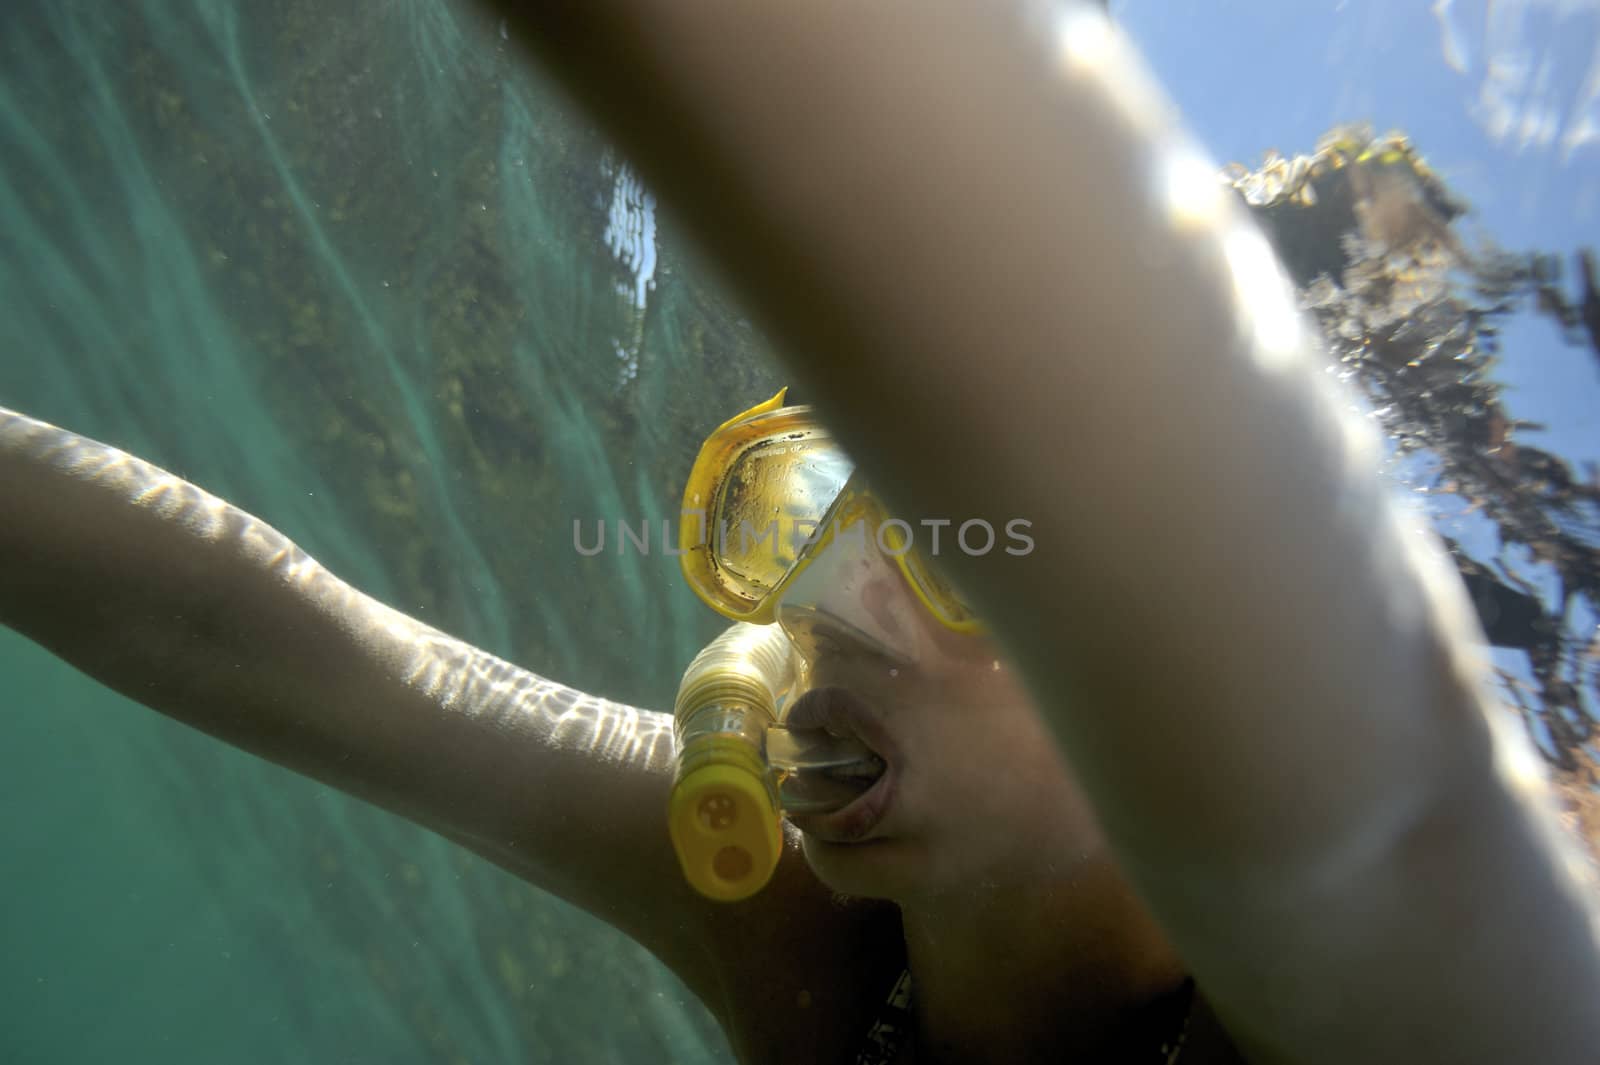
(1414, 318)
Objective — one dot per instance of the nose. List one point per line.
(833, 647)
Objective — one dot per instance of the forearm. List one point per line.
(204, 613)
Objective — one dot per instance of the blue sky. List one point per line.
(1501, 96)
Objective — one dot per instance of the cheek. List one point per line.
(999, 786)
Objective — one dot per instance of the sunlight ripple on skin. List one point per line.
(459, 677)
(466, 680)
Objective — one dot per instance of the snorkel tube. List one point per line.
(723, 814)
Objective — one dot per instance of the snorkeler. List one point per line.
(1136, 802)
(950, 865)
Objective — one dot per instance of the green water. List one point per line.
(352, 268)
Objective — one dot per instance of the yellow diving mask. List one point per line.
(779, 534)
(771, 498)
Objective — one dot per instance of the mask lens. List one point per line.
(775, 494)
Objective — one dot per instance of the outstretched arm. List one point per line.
(1018, 291)
(202, 612)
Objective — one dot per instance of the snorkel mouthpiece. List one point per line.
(739, 766)
(723, 814)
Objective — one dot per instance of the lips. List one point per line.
(843, 714)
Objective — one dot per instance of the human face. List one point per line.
(975, 792)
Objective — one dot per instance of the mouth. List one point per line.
(841, 714)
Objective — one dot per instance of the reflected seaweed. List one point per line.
(1414, 319)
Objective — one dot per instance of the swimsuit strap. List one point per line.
(1173, 1017)
(893, 1027)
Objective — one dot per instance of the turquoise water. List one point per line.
(364, 275)
(357, 272)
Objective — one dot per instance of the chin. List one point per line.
(889, 869)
